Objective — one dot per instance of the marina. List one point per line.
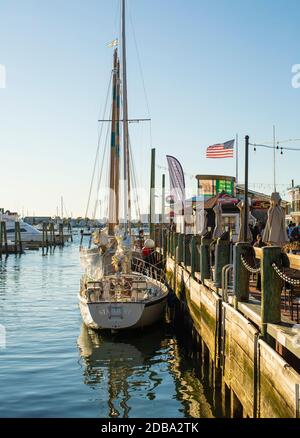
(169, 288)
(53, 366)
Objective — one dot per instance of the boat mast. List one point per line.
(127, 188)
(114, 150)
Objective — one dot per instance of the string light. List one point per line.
(283, 148)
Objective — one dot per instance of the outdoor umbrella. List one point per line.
(218, 231)
(275, 231)
(202, 222)
(241, 206)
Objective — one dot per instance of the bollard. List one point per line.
(271, 286)
(241, 275)
(205, 259)
(222, 258)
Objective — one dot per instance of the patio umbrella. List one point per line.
(202, 222)
(275, 232)
(241, 206)
(218, 231)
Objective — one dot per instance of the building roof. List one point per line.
(258, 195)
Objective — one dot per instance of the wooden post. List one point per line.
(70, 231)
(271, 286)
(164, 242)
(187, 249)
(3, 237)
(195, 259)
(205, 259)
(193, 255)
(175, 243)
(45, 236)
(61, 235)
(222, 258)
(163, 200)
(241, 275)
(152, 196)
(18, 243)
(179, 249)
(168, 242)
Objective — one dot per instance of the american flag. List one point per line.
(222, 150)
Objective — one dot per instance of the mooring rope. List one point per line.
(251, 269)
(284, 277)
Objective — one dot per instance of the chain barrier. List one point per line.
(250, 268)
(284, 277)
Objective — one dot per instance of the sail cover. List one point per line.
(177, 182)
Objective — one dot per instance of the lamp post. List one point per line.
(246, 215)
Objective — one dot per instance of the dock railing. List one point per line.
(206, 260)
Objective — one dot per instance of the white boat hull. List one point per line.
(121, 316)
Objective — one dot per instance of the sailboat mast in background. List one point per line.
(115, 149)
(127, 185)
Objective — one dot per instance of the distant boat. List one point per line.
(29, 233)
(119, 290)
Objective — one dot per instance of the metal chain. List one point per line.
(248, 267)
(284, 277)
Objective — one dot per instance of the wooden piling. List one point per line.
(187, 250)
(205, 259)
(271, 286)
(195, 256)
(70, 231)
(222, 258)
(241, 275)
(61, 235)
(3, 238)
(179, 249)
(18, 240)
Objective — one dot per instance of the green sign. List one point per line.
(225, 186)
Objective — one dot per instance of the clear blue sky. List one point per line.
(212, 69)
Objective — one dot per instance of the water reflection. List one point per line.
(127, 363)
(127, 370)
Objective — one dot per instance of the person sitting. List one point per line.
(295, 235)
(259, 243)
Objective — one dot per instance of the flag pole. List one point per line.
(237, 160)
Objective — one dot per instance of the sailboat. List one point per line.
(119, 290)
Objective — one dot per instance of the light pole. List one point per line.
(246, 207)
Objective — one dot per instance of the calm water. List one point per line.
(53, 366)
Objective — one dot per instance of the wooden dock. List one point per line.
(50, 239)
(249, 343)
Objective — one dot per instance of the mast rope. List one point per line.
(98, 148)
(142, 74)
(101, 171)
(134, 178)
